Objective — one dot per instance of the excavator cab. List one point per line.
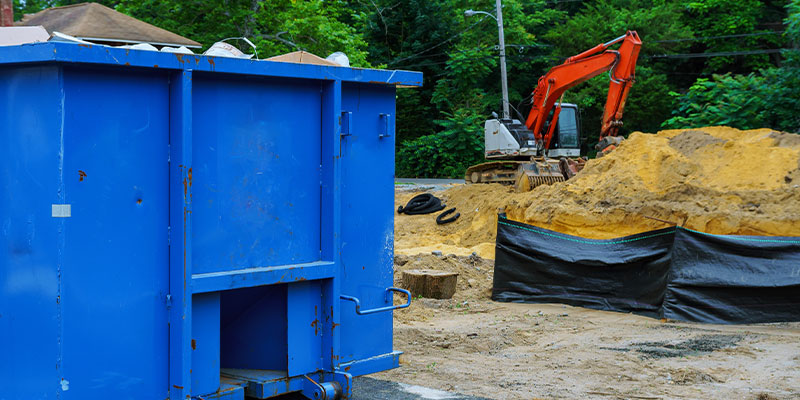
(511, 139)
(567, 136)
(514, 152)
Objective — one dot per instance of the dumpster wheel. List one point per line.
(321, 391)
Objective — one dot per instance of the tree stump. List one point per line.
(429, 283)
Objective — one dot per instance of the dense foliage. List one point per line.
(447, 152)
(765, 98)
(731, 62)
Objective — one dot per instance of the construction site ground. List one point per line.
(477, 347)
(551, 351)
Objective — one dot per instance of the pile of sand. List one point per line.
(474, 231)
(717, 180)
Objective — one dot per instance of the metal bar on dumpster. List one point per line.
(180, 231)
(330, 225)
(389, 292)
(386, 125)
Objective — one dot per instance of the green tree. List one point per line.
(658, 23)
(793, 22)
(767, 98)
(461, 87)
(465, 86)
(22, 7)
(276, 27)
(756, 100)
(716, 20)
(446, 153)
(411, 35)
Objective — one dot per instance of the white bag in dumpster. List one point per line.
(222, 49)
(179, 50)
(140, 46)
(339, 58)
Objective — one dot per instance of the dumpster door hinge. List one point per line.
(169, 153)
(168, 300)
(169, 235)
(346, 124)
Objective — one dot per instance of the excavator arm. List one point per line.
(577, 69)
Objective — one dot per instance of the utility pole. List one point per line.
(503, 77)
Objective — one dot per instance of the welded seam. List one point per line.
(61, 234)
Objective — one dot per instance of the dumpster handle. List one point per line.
(347, 123)
(389, 295)
(386, 125)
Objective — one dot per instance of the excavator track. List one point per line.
(503, 172)
(524, 175)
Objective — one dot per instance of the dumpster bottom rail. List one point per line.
(263, 384)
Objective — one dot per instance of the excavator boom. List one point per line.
(527, 155)
(621, 65)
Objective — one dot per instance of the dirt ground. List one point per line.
(477, 347)
(550, 351)
(473, 232)
(706, 179)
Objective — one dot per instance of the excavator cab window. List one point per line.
(568, 128)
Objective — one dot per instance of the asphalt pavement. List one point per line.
(420, 181)
(365, 388)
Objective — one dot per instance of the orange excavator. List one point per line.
(546, 148)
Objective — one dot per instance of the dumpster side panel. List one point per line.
(115, 272)
(367, 219)
(30, 130)
(173, 225)
(205, 343)
(256, 153)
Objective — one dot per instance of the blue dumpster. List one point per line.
(178, 226)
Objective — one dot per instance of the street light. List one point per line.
(470, 13)
(503, 77)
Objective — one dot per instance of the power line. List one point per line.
(718, 37)
(692, 55)
(524, 46)
(688, 55)
(556, 57)
(718, 54)
(448, 54)
(393, 62)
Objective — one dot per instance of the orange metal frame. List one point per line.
(580, 68)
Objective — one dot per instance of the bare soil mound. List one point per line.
(473, 232)
(717, 180)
